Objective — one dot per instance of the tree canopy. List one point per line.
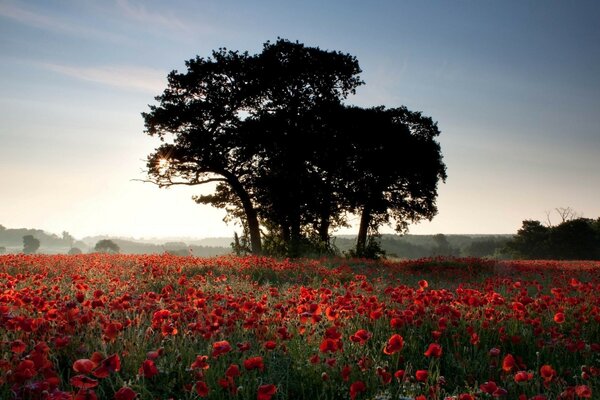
(30, 244)
(107, 246)
(288, 158)
(572, 239)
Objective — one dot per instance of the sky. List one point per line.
(514, 86)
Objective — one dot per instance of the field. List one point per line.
(159, 327)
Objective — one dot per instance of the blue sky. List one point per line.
(514, 86)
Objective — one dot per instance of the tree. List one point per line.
(393, 168)
(74, 251)
(68, 238)
(107, 246)
(209, 115)
(571, 239)
(30, 244)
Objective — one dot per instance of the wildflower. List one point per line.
(434, 350)
(394, 344)
(356, 388)
(265, 392)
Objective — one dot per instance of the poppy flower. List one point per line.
(232, 371)
(330, 345)
(84, 366)
(200, 363)
(434, 350)
(125, 393)
(523, 376)
(488, 387)
(107, 366)
(559, 317)
(265, 392)
(148, 369)
(201, 389)
(85, 394)
(583, 391)
(361, 336)
(508, 363)
(346, 373)
(221, 347)
(356, 388)
(83, 382)
(17, 346)
(270, 344)
(421, 375)
(394, 344)
(254, 363)
(547, 372)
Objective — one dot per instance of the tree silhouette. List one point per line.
(393, 169)
(106, 246)
(209, 112)
(30, 244)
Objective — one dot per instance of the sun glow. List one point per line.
(163, 165)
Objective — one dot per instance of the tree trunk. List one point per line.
(251, 214)
(365, 220)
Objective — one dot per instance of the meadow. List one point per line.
(130, 327)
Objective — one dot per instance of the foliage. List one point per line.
(106, 246)
(286, 155)
(571, 239)
(74, 250)
(30, 244)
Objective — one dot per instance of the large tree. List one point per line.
(393, 168)
(214, 120)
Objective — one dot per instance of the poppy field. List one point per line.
(130, 327)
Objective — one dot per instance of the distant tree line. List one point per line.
(572, 239)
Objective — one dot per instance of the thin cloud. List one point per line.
(138, 12)
(139, 79)
(36, 19)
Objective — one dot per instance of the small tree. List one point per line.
(74, 250)
(30, 244)
(107, 246)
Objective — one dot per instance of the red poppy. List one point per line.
(84, 366)
(488, 387)
(346, 373)
(559, 317)
(107, 366)
(361, 336)
(254, 363)
(583, 391)
(330, 345)
(148, 369)
(85, 394)
(399, 375)
(200, 363)
(232, 371)
(523, 376)
(421, 375)
(221, 347)
(125, 393)
(508, 363)
(356, 388)
(434, 350)
(270, 345)
(265, 392)
(83, 382)
(17, 346)
(202, 389)
(547, 372)
(394, 344)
